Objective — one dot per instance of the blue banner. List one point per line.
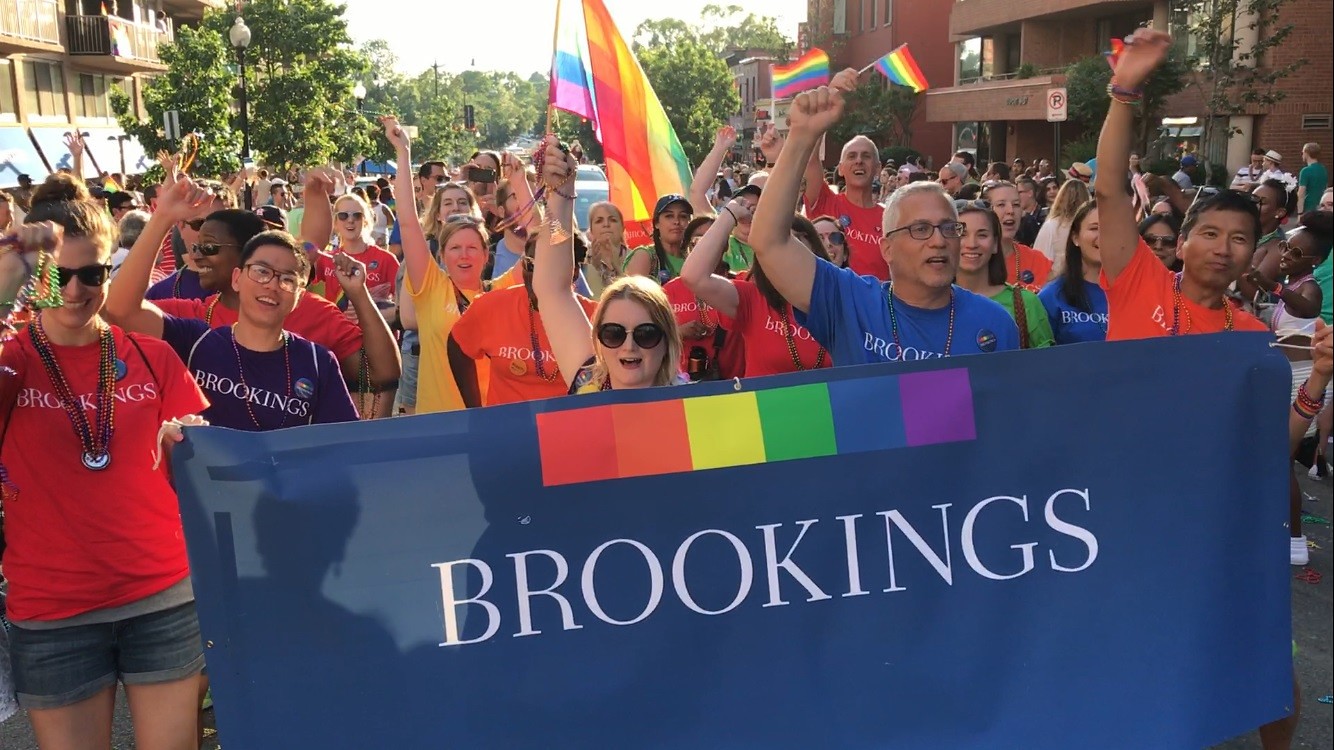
(1083, 546)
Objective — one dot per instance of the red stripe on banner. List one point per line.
(577, 446)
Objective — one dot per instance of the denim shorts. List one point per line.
(407, 382)
(62, 666)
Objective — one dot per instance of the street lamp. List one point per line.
(122, 138)
(240, 38)
(359, 91)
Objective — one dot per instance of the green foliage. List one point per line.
(696, 91)
(1086, 89)
(721, 28)
(1080, 149)
(198, 85)
(879, 110)
(898, 154)
(1026, 70)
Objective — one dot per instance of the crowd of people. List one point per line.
(476, 288)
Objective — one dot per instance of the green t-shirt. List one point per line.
(739, 255)
(1039, 327)
(663, 275)
(1322, 274)
(1314, 178)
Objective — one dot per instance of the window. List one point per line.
(840, 16)
(1316, 122)
(888, 15)
(970, 60)
(44, 89)
(875, 13)
(90, 96)
(1012, 43)
(8, 106)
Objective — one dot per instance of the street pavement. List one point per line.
(1313, 627)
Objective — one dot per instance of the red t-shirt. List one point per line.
(381, 272)
(1030, 272)
(689, 308)
(1140, 304)
(766, 333)
(82, 540)
(498, 326)
(314, 319)
(862, 230)
(166, 260)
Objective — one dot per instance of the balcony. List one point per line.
(29, 26)
(114, 44)
(978, 17)
(997, 98)
(191, 10)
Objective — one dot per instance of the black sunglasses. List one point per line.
(646, 335)
(94, 275)
(353, 215)
(210, 249)
(973, 205)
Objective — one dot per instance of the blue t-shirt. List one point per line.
(184, 284)
(849, 316)
(315, 395)
(1070, 324)
(396, 236)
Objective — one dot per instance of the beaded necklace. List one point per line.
(789, 325)
(701, 311)
(1178, 307)
(96, 455)
(367, 400)
(176, 286)
(240, 372)
(537, 354)
(894, 321)
(208, 312)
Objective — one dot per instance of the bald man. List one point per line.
(855, 208)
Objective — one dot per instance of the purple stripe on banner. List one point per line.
(867, 414)
(937, 407)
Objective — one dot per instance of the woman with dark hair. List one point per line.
(1160, 232)
(99, 582)
(1076, 303)
(982, 271)
(751, 308)
(708, 350)
(662, 260)
(482, 174)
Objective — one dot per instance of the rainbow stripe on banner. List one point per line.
(900, 67)
(738, 429)
(809, 71)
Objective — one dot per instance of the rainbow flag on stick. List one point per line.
(595, 76)
(807, 72)
(900, 67)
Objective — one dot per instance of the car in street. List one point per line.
(591, 186)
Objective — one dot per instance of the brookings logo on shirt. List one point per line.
(297, 406)
(782, 327)
(523, 352)
(892, 352)
(857, 235)
(34, 398)
(1079, 316)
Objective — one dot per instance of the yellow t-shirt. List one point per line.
(437, 311)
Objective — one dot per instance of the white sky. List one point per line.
(512, 35)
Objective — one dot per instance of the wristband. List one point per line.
(770, 165)
(728, 209)
(1278, 290)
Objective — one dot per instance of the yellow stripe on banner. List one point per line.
(724, 431)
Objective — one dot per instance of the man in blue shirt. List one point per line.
(920, 313)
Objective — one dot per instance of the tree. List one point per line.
(696, 91)
(879, 110)
(750, 32)
(198, 85)
(1086, 91)
(1235, 75)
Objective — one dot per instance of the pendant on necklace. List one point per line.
(96, 461)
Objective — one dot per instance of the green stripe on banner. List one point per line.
(797, 422)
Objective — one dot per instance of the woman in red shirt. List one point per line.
(99, 583)
(751, 308)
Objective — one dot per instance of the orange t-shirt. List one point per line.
(1032, 270)
(766, 333)
(1141, 304)
(501, 327)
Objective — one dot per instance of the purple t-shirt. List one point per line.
(184, 284)
(316, 393)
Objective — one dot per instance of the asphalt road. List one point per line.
(1313, 626)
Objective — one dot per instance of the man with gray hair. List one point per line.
(952, 177)
(920, 314)
(131, 226)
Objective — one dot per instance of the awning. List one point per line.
(51, 142)
(105, 149)
(18, 156)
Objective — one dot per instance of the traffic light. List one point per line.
(469, 117)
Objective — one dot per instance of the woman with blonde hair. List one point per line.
(450, 199)
(607, 250)
(632, 340)
(1055, 230)
(353, 222)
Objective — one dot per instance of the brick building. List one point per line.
(59, 61)
(1010, 54)
(855, 33)
(752, 74)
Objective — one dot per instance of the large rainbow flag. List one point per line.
(900, 67)
(595, 76)
(808, 72)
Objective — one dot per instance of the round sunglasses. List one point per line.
(646, 335)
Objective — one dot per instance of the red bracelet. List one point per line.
(1278, 290)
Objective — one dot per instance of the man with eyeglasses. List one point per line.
(920, 314)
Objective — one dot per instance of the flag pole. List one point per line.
(873, 62)
(555, 39)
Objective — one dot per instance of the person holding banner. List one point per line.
(1076, 305)
(982, 271)
(1216, 243)
(920, 314)
(631, 339)
(99, 583)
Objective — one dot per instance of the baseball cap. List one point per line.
(1189, 160)
(669, 200)
(273, 216)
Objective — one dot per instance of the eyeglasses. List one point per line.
(646, 335)
(922, 230)
(210, 249)
(980, 204)
(349, 215)
(441, 178)
(261, 274)
(1160, 240)
(94, 275)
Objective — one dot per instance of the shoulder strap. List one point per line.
(133, 339)
(1021, 316)
(189, 360)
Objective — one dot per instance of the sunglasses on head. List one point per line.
(973, 205)
(94, 275)
(646, 335)
(349, 215)
(463, 219)
(210, 249)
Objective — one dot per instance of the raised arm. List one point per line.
(416, 253)
(383, 362)
(1144, 51)
(317, 217)
(789, 265)
(564, 318)
(126, 306)
(697, 272)
(707, 174)
(74, 142)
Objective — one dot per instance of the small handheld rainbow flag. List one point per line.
(1118, 47)
(808, 72)
(900, 67)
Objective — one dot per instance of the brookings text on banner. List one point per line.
(1042, 549)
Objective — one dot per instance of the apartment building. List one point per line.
(59, 60)
(1010, 54)
(752, 75)
(856, 33)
